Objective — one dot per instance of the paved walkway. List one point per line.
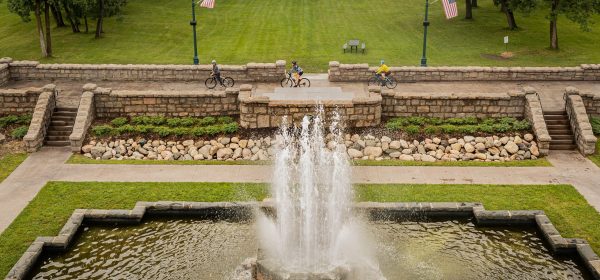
(48, 165)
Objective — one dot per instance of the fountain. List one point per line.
(314, 231)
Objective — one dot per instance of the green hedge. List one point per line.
(468, 125)
(146, 125)
(595, 125)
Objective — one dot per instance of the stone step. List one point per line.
(58, 132)
(57, 138)
(65, 109)
(60, 128)
(555, 122)
(57, 143)
(63, 118)
(563, 147)
(555, 117)
(61, 123)
(562, 142)
(560, 132)
(64, 114)
(562, 137)
(555, 113)
(558, 127)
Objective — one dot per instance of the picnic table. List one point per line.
(354, 44)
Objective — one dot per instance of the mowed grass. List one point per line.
(312, 32)
(50, 209)
(543, 162)
(595, 158)
(10, 162)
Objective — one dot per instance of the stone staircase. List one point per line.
(61, 126)
(560, 130)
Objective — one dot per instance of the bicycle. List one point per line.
(291, 82)
(225, 82)
(388, 82)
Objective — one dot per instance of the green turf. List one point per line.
(595, 158)
(80, 159)
(49, 210)
(10, 162)
(312, 32)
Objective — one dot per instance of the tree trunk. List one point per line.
(47, 20)
(468, 9)
(474, 3)
(100, 18)
(40, 28)
(57, 15)
(553, 26)
(86, 23)
(74, 25)
(510, 17)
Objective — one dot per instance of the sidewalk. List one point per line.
(48, 165)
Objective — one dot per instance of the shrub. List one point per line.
(154, 120)
(449, 128)
(501, 127)
(230, 127)
(485, 127)
(180, 131)
(431, 130)
(412, 129)
(19, 132)
(521, 125)
(162, 131)
(8, 120)
(207, 121)
(224, 120)
(102, 130)
(119, 122)
(595, 125)
(143, 129)
(125, 129)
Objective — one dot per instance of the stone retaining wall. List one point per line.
(18, 101)
(591, 102)
(535, 115)
(4, 74)
(111, 104)
(251, 72)
(362, 72)
(261, 112)
(40, 120)
(482, 105)
(375, 210)
(85, 116)
(580, 123)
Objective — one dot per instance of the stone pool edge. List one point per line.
(551, 235)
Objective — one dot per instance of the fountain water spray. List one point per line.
(315, 232)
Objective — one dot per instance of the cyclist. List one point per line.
(383, 70)
(216, 72)
(297, 71)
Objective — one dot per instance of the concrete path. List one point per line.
(48, 165)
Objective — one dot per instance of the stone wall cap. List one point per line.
(246, 87)
(334, 64)
(89, 87)
(24, 63)
(6, 60)
(571, 90)
(529, 90)
(280, 62)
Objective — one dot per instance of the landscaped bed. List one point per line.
(14, 127)
(47, 213)
(595, 158)
(413, 139)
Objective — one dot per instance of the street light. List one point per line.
(193, 24)
(425, 24)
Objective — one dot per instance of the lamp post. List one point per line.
(425, 24)
(193, 24)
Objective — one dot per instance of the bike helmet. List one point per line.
(382, 62)
(294, 62)
(214, 62)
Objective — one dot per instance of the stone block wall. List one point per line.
(85, 116)
(40, 120)
(261, 112)
(18, 101)
(535, 115)
(580, 123)
(112, 104)
(362, 72)
(591, 101)
(481, 105)
(4, 74)
(251, 72)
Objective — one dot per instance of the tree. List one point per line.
(509, 6)
(100, 9)
(468, 9)
(23, 8)
(578, 11)
(474, 4)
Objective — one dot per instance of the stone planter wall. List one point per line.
(591, 101)
(18, 101)
(481, 105)
(251, 72)
(85, 116)
(112, 104)
(4, 74)
(580, 123)
(40, 120)
(261, 112)
(393, 210)
(535, 115)
(362, 72)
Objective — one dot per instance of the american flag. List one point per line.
(211, 3)
(449, 8)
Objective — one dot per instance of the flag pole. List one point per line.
(193, 24)
(425, 25)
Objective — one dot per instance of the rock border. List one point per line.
(537, 218)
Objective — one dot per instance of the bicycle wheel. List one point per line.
(228, 82)
(287, 82)
(210, 83)
(391, 83)
(373, 81)
(304, 82)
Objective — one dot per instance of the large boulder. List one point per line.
(511, 147)
(354, 153)
(373, 151)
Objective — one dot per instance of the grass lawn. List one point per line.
(312, 32)
(10, 162)
(80, 159)
(49, 210)
(595, 158)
